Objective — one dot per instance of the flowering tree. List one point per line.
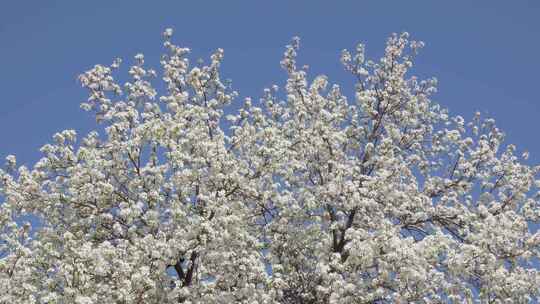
(310, 199)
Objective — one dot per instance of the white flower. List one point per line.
(167, 34)
(11, 161)
(83, 300)
(316, 198)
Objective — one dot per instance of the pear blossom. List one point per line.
(302, 196)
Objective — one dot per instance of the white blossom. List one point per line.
(303, 196)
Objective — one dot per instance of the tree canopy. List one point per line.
(304, 196)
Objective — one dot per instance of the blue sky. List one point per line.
(484, 53)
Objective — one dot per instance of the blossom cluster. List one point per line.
(305, 197)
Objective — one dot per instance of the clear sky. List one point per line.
(484, 53)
